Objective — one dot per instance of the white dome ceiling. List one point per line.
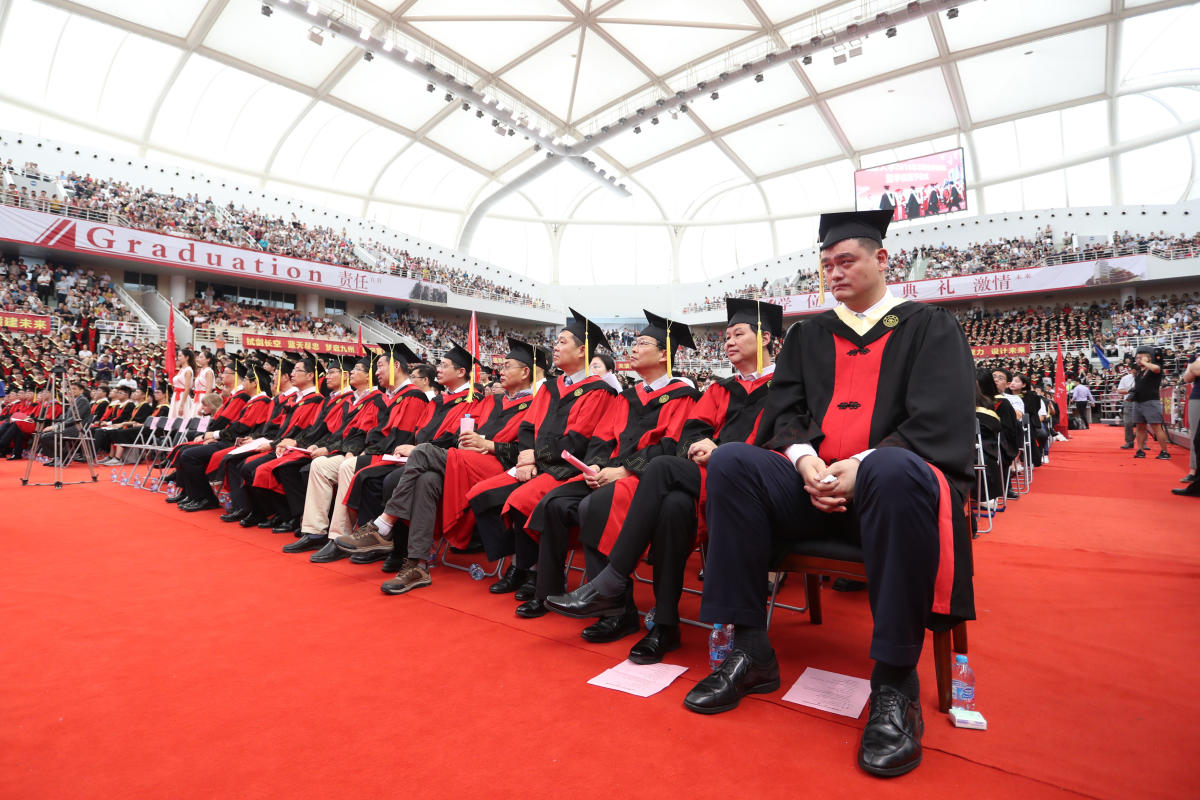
(1055, 103)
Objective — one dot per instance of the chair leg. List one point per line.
(812, 588)
(960, 638)
(941, 663)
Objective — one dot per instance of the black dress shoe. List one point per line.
(305, 543)
(1190, 491)
(1013, 495)
(847, 585)
(269, 522)
(737, 677)
(179, 498)
(651, 648)
(528, 589)
(370, 557)
(236, 515)
(200, 505)
(393, 563)
(286, 526)
(328, 553)
(250, 520)
(891, 741)
(585, 602)
(610, 629)
(513, 578)
(531, 609)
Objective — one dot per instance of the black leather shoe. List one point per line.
(179, 498)
(237, 515)
(513, 578)
(328, 553)
(610, 629)
(200, 505)
(393, 563)
(585, 602)
(737, 677)
(1013, 495)
(529, 588)
(531, 609)
(370, 557)
(651, 648)
(891, 742)
(1188, 492)
(286, 526)
(847, 585)
(269, 522)
(305, 543)
(251, 520)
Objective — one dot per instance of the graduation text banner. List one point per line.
(28, 323)
(993, 350)
(1103, 272)
(84, 236)
(258, 341)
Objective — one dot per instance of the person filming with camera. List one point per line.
(1147, 407)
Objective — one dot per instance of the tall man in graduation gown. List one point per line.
(867, 437)
(644, 427)
(565, 415)
(666, 512)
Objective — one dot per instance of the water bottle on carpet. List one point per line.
(719, 643)
(476, 571)
(650, 618)
(962, 684)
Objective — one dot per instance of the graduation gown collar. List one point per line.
(895, 316)
(870, 317)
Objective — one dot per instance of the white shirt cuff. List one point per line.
(860, 456)
(796, 452)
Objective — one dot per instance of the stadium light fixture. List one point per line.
(806, 60)
(479, 113)
(758, 78)
(429, 87)
(267, 10)
(449, 97)
(637, 128)
(368, 56)
(715, 95)
(952, 13)
(891, 33)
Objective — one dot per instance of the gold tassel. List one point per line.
(668, 353)
(278, 377)
(758, 337)
(820, 285)
(391, 372)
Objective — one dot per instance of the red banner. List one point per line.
(994, 350)
(28, 323)
(260, 341)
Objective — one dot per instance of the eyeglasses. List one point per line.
(645, 343)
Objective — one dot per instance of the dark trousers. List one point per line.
(417, 497)
(662, 516)
(240, 478)
(1081, 408)
(191, 470)
(293, 477)
(757, 506)
(501, 539)
(11, 437)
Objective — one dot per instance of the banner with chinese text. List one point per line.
(1102, 272)
(994, 350)
(262, 341)
(25, 323)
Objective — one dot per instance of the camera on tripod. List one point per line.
(1157, 354)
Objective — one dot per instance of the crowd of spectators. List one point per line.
(223, 318)
(82, 299)
(121, 203)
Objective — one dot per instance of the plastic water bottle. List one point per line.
(476, 571)
(172, 489)
(225, 500)
(719, 644)
(650, 618)
(113, 475)
(962, 684)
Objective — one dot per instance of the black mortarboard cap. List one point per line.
(460, 357)
(286, 363)
(267, 358)
(541, 357)
(659, 327)
(260, 376)
(520, 351)
(834, 228)
(586, 331)
(400, 352)
(752, 312)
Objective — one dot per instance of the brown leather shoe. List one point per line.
(413, 575)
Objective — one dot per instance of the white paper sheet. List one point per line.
(638, 679)
(830, 691)
(250, 446)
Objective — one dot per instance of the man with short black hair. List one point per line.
(1147, 406)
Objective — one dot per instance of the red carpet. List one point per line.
(154, 654)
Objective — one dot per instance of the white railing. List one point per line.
(54, 205)
(133, 305)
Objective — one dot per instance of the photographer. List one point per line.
(1192, 375)
(1147, 407)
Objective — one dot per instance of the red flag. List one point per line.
(473, 346)
(360, 343)
(1060, 394)
(170, 354)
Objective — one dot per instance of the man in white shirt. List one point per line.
(1124, 388)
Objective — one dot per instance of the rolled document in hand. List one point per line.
(829, 479)
(579, 465)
